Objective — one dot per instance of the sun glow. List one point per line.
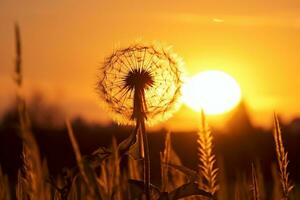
(213, 91)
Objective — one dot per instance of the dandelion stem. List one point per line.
(146, 159)
(140, 116)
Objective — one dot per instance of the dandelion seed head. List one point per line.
(154, 69)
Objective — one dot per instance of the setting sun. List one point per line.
(214, 91)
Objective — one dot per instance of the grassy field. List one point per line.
(103, 174)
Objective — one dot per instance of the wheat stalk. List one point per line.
(282, 160)
(206, 157)
(31, 172)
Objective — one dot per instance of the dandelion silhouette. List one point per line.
(146, 72)
(141, 84)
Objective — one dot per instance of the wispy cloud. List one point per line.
(233, 20)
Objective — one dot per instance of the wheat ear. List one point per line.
(282, 160)
(206, 157)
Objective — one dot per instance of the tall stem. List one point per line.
(140, 116)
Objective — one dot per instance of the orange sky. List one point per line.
(257, 42)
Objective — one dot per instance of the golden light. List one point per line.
(213, 91)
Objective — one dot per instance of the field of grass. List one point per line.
(103, 174)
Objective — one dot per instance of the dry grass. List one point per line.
(170, 178)
(4, 186)
(87, 173)
(260, 181)
(241, 188)
(165, 158)
(113, 184)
